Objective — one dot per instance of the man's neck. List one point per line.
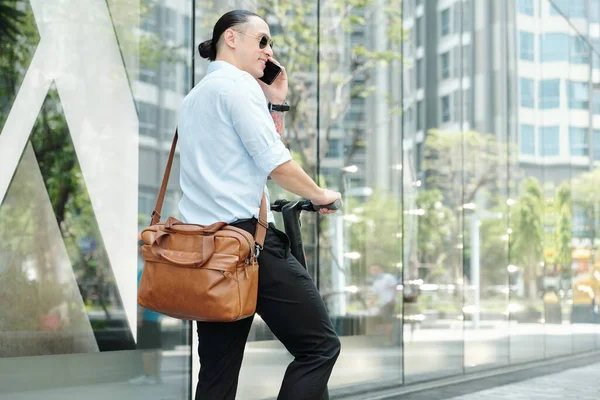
(228, 58)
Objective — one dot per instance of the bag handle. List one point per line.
(261, 226)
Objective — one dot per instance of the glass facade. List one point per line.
(463, 136)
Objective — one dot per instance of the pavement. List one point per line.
(365, 364)
(581, 383)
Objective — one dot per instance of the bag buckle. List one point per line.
(263, 223)
(257, 249)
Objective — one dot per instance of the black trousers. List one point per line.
(290, 304)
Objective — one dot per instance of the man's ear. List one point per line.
(229, 38)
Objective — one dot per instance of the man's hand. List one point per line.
(276, 92)
(324, 198)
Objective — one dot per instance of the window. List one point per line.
(595, 51)
(149, 20)
(596, 100)
(571, 8)
(549, 93)
(466, 64)
(445, 22)
(595, 11)
(528, 139)
(168, 121)
(147, 116)
(146, 201)
(456, 100)
(420, 73)
(445, 108)
(526, 92)
(170, 24)
(445, 65)
(577, 8)
(186, 80)
(169, 73)
(335, 148)
(578, 95)
(526, 7)
(526, 46)
(554, 47)
(466, 15)
(420, 115)
(578, 141)
(147, 73)
(596, 139)
(466, 112)
(580, 220)
(187, 31)
(419, 32)
(580, 53)
(549, 138)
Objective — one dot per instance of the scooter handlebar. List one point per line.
(336, 205)
(305, 205)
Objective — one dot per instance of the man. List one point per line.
(229, 145)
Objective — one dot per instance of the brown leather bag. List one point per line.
(196, 272)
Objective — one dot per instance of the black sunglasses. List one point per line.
(264, 40)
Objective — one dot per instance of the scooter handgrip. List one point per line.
(336, 205)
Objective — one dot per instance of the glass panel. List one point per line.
(360, 252)
(351, 161)
(568, 8)
(554, 47)
(484, 205)
(445, 65)
(584, 284)
(526, 7)
(527, 91)
(594, 11)
(445, 22)
(550, 140)
(526, 46)
(596, 144)
(549, 93)
(69, 202)
(578, 95)
(578, 139)
(527, 139)
(432, 234)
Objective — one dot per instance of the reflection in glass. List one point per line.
(54, 268)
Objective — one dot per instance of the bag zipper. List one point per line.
(250, 246)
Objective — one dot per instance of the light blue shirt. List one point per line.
(228, 147)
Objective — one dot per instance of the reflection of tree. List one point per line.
(528, 236)
(374, 231)
(564, 227)
(344, 76)
(18, 39)
(344, 70)
(461, 169)
(586, 191)
(10, 19)
(57, 161)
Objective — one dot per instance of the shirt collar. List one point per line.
(219, 64)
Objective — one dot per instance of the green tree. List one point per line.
(586, 190)
(564, 227)
(528, 235)
(10, 19)
(463, 172)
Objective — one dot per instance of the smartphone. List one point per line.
(272, 71)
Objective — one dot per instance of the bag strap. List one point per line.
(261, 226)
(155, 216)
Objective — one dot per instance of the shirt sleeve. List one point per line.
(253, 123)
